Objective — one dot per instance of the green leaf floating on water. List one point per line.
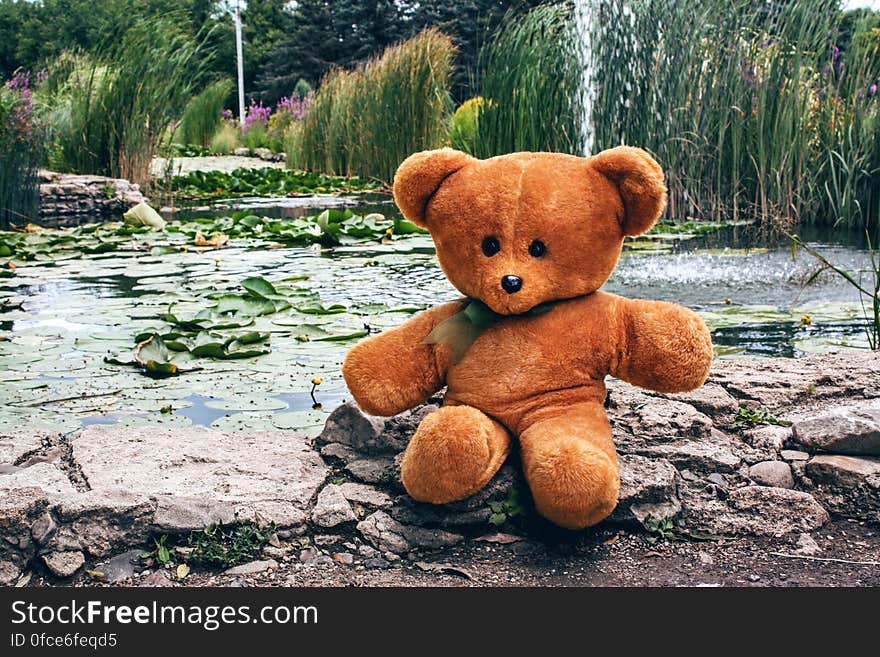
(259, 287)
(155, 358)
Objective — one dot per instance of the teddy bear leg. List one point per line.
(571, 466)
(453, 454)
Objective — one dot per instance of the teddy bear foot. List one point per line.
(571, 467)
(453, 454)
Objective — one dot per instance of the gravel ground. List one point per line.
(227, 163)
(609, 557)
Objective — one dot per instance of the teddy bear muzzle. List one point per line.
(511, 284)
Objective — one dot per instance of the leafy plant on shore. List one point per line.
(752, 416)
(223, 546)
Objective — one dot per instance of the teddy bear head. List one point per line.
(522, 229)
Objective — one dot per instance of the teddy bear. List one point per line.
(528, 239)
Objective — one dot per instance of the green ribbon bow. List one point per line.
(464, 327)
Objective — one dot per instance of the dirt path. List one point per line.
(603, 558)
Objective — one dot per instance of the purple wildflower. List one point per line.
(872, 89)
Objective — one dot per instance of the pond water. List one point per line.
(68, 318)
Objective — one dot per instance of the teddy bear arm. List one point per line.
(394, 371)
(664, 347)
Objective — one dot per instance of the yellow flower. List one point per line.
(316, 381)
(806, 320)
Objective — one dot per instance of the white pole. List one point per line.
(240, 59)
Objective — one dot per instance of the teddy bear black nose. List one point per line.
(511, 284)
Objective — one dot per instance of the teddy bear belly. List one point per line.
(518, 392)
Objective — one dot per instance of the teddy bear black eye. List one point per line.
(537, 249)
(491, 246)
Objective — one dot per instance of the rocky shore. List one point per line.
(767, 449)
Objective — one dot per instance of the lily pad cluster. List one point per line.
(265, 182)
(46, 246)
(330, 228)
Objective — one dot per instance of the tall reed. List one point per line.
(202, 115)
(748, 106)
(364, 122)
(119, 106)
(528, 76)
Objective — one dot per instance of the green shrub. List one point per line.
(366, 121)
(256, 136)
(226, 139)
(202, 117)
(463, 129)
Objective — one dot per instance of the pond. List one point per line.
(62, 323)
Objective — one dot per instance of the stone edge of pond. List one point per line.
(768, 447)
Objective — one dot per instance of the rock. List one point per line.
(768, 437)
(377, 563)
(43, 528)
(474, 510)
(385, 533)
(20, 508)
(331, 508)
(9, 573)
(772, 473)
(122, 566)
(660, 418)
(264, 154)
(364, 494)
(242, 152)
(252, 567)
(794, 455)
(100, 522)
(368, 551)
(781, 386)
(695, 455)
(719, 480)
(348, 425)
(268, 477)
(345, 558)
(851, 430)
(46, 476)
(339, 451)
(847, 485)
(374, 470)
(67, 196)
(807, 545)
(64, 564)
(757, 510)
(710, 399)
(14, 446)
(647, 487)
(158, 578)
(276, 552)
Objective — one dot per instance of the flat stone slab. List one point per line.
(53, 481)
(847, 485)
(15, 445)
(200, 475)
(842, 431)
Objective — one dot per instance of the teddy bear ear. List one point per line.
(419, 177)
(639, 180)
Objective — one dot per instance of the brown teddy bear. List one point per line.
(528, 238)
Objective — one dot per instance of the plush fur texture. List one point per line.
(537, 377)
